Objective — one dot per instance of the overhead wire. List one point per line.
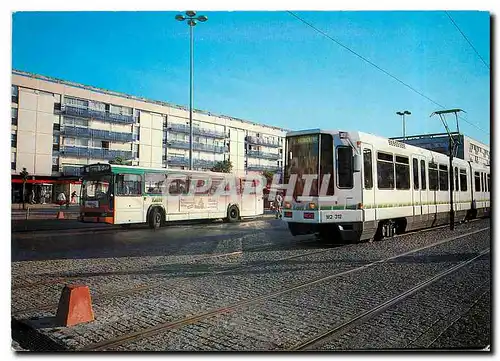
(378, 67)
(465, 37)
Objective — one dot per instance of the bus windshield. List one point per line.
(96, 188)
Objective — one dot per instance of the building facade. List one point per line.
(59, 126)
(468, 148)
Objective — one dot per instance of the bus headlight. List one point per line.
(312, 205)
(287, 205)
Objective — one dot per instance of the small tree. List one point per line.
(120, 161)
(224, 166)
(269, 176)
(24, 175)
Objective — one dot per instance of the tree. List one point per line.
(224, 166)
(24, 175)
(269, 176)
(120, 161)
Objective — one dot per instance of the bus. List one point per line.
(124, 195)
(352, 186)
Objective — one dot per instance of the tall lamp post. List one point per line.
(403, 113)
(192, 20)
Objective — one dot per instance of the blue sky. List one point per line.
(271, 68)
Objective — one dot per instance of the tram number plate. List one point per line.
(333, 216)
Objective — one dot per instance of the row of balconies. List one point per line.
(262, 141)
(97, 134)
(182, 128)
(197, 146)
(97, 153)
(263, 155)
(97, 114)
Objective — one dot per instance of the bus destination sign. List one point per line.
(96, 168)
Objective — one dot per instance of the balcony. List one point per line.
(180, 161)
(72, 170)
(97, 134)
(261, 141)
(271, 168)
(263, 155)
(113, 136)
(177, 144)
(184, 161)
(97, 153)
(182, 128)
(76, 131)
(97, 114)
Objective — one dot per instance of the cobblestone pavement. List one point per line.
(143, 280)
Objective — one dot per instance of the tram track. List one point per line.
(319, 339)
(166, 326)
(145, 287)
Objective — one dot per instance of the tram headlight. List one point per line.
(287, 205)
(312, 205)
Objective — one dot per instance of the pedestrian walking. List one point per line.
(73, 197)
(61, 198)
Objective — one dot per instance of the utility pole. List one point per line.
(452, 146)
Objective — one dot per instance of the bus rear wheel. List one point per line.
(233, 214)
(155, 218)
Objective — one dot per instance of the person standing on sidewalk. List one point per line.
(279, 201)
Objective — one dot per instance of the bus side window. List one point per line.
(129, 185)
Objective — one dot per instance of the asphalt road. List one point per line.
(251, 286)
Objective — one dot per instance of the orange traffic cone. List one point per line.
(60, 215)
(75, 306)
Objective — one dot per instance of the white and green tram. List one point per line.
(376, 186)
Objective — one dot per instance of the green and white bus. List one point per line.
(118, 194)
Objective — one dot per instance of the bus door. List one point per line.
(129, 202)
(368, 187)
(248, 195)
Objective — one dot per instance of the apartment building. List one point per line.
(59, 126)
(468, 149)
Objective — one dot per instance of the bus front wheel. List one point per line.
(233, 214)
(155, 218)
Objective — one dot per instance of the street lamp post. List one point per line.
(403, 113)
(192, 20)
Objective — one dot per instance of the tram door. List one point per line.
(368, 184)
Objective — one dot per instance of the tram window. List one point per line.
(488, 183)
(367, 168)
(416, 184)
(345, 169)
(385, 171)
(128, 185)
(456, 179)
(326, 165)
(402, 172)
(443, 177)
(477, 181)
(433, 177)
(463, 180)
(422, 174)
